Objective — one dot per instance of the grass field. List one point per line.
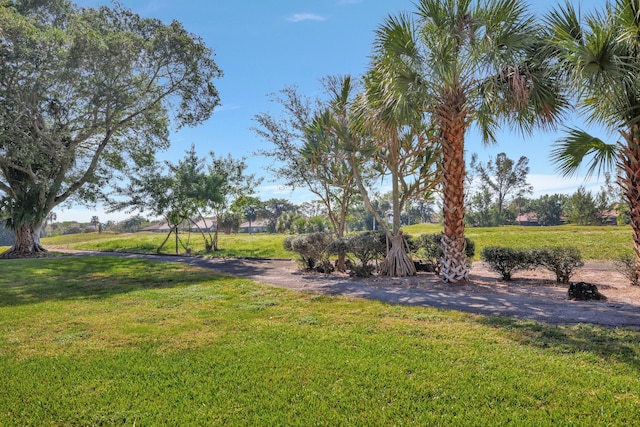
(105, 341)
(231, 245)
(595, 243)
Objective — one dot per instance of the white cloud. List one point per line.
(299, 17)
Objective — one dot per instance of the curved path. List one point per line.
(283, 273)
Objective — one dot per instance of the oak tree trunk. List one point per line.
(26, 243)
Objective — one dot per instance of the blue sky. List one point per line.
(264, 46)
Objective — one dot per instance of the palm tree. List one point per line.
(600, 59)
(474, 62)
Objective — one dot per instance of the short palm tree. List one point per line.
(475, 62)
(599, 56)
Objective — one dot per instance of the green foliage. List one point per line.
(365, 247)
(428, 247)
(311, 248)
(549, 209)
(581, 208)
(86, 93)
(595, 243)
(103, 341)
(561, 260)
(506, 261)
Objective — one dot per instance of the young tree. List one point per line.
(84, 92)
(505, 178)
(177, 193)
(302, 152)
(474, 62)
(581, 208)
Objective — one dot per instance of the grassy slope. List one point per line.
(233, 245)
(595, 243)
(102, 341)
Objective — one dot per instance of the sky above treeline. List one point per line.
(265, 46)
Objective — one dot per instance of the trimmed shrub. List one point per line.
(506, 261)
(562, 260)
(428, 247)
(366, 247)
(312, 248)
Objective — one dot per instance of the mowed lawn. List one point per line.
(110, 341)
(595, 243)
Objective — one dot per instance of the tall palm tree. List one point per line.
(475, 62)
(599, 56)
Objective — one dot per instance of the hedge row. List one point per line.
(362, 249)
(561, 260)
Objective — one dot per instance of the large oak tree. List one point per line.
(83, 93)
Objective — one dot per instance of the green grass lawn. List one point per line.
(594, 243)
(604, 243)
(105, 341)
(231, 245)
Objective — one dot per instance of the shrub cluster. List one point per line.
(428, 247)
(365, 247)
(314, 250)
(561, 260)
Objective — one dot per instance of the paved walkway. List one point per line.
(283, 273)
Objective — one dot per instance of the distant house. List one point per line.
(162, 227)
(529, 218)
(609, 217)
(258, 226)
(206, 224)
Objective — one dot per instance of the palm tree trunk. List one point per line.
(630, 182)
(453, 264)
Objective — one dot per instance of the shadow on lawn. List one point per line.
(95, 277)
(622, 345)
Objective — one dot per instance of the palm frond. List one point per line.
(578, 147)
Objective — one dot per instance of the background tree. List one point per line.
(599, 57)
(505, 178)
(549, 208)
(248, 207)
(581, 208)
(274, 208)
(235, 184)
(474, 62)
(95, 222)
(83, 93)
(176, 192)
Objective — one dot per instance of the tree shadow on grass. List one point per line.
(621, 345)
(57, 279)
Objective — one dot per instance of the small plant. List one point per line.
(506, 261)
(626, 265)
(562, 260)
